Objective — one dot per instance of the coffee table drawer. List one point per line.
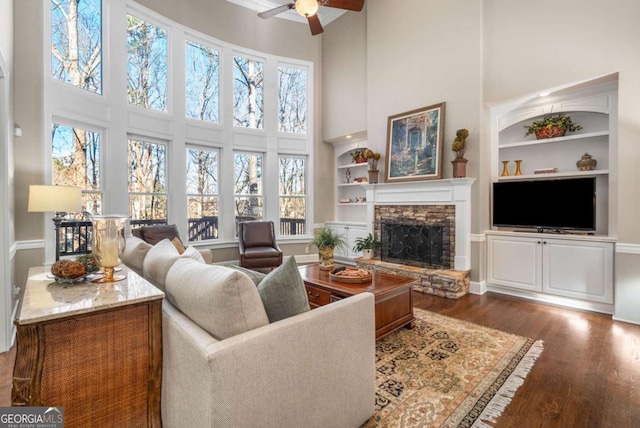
(317, 297)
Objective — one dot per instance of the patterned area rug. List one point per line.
(448, 373)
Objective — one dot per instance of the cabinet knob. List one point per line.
(544, 242)
(539, 242)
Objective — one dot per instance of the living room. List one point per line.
(390, 58)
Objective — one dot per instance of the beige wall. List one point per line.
(344, 71)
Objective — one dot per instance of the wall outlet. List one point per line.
(16, 290)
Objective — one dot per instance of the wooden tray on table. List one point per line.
(351, 276)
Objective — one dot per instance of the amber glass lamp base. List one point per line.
(109, 276)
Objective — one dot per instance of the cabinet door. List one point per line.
(355, 232)
(515, 262)
(342, 231)
(582, 270)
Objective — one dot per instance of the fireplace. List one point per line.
(417, 235)
(414, 243)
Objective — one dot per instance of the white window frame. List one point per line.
(208, 195)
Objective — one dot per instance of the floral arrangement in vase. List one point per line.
(357, 156)
(552, 127)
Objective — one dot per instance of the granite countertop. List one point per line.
(45, 299)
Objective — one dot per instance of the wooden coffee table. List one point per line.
(394, 301)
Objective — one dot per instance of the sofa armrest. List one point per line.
(316, 369)
(207, 255)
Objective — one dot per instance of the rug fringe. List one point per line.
(505, 394)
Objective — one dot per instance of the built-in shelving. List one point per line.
(352, 165)
(555, 175)
(573, 137)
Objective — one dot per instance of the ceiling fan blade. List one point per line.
(314, 24)
(355, 5)
(273, 12)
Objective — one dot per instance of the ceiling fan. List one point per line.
(309, 9)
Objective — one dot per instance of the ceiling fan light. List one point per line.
(307, 7)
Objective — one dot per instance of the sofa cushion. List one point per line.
(222, 301)
(135, 252)
(158, 261)
(155, 234)
(283, 292)
(178, 244)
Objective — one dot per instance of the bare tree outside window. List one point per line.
(202, 82)
(76, 43)
(293, 198)
(146, 64)
(248, 80)
(202, 193)
(75, 160)
(292, 100)
(248, 186)
(147, 180)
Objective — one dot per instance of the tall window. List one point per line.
(76, 43)
(248, 186)
(146, 64)
(293, 198)
(76, 162)
(292, 100)
(201, 82)
(147, 182)
(248, 80)
(202, 193)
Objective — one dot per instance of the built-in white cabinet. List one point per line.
(350, 232)
(350, 204)
(577, 267)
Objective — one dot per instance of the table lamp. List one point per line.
(56, 199)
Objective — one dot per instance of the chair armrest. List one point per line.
(298, 372)
(207, 255)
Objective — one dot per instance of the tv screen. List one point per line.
(548, 204)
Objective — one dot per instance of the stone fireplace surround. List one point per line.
(398, 197)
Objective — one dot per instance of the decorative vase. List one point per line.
(586, 163)
(550, 132)
(459, 167)
(108, 244)
(367, 253)
(373, 176)
(325, 255)
(505, 169)
(518, 169)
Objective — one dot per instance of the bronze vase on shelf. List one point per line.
(373, 176)
(518, 168)
(505, 169)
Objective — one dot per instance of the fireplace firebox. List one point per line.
(415, 243)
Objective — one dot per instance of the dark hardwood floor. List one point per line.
(587, 376)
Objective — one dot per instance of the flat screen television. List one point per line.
(558, 204)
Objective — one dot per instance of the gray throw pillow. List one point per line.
(283, 292)
(254, 275)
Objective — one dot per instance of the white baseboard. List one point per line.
(478, 288)
(615, 318)
(566, 302)
(627, 248)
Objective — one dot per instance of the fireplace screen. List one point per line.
(413, 244)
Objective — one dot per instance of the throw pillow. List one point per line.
(158, 261)
(135, 251)
(178, 244)
(155, 234)
(253, 275)
(222, 301)
(283, 292)
(194, 254)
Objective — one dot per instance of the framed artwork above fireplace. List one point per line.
(414, 144)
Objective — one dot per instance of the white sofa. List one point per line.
(314, 369)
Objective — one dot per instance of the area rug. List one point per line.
(448, 373)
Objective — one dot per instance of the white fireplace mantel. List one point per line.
(454, 191)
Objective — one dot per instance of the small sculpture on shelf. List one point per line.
(459, 146)
(347, 176)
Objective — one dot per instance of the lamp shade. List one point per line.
(45, 198)
(307, 7)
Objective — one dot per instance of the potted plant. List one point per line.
(327, 240)
(357, 156)
(372, 159)
(459, 146)
(552, 126)
(366, 245)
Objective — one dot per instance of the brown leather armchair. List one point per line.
(257, 245)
